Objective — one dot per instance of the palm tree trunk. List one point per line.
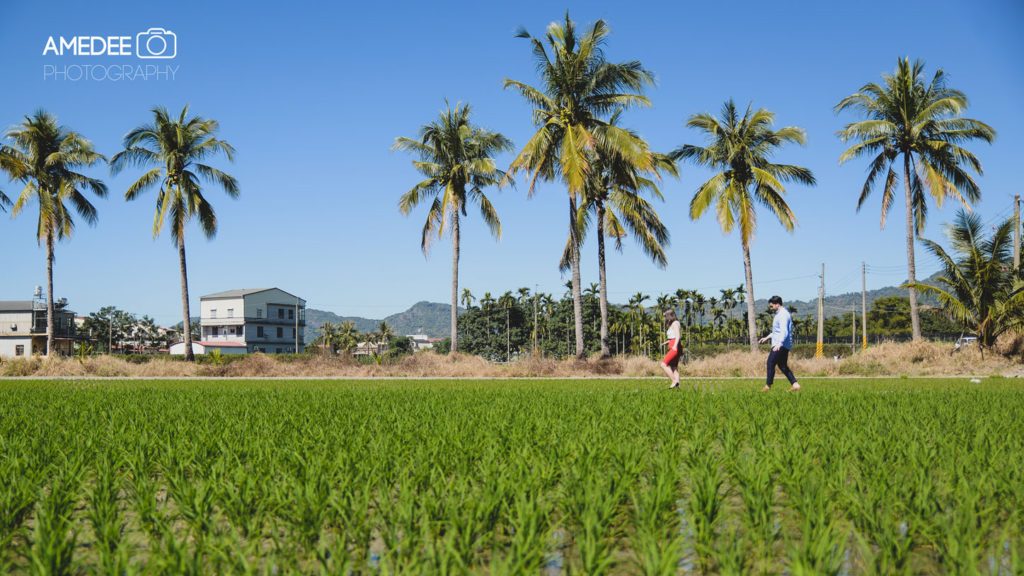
(577, 296)
(605, 352)
(751, 315)
(49, 295)
(455, 283)
(186, 325)
(915, 317)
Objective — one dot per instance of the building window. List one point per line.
(19, 350)
(213, 312)
(259, 312)
(293, 332)
(259, 331)
(214, 331)
(278, 350)
(280, 312)
(280, 332)
(231, 312)
(291, 314)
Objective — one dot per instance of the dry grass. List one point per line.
(909, 359)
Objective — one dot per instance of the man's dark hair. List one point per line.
(775, 300)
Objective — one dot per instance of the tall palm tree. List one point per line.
(741, 147)
(177, 149)
(580, 91)
(613, 196)
(45, 156)
(456, 158)
(977, 289)
(923, 125)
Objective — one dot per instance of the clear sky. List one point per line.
(312, 96)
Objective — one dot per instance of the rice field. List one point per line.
(886, 476)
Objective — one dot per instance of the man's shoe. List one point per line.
(795, 387)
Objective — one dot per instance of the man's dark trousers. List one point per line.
(779, 358)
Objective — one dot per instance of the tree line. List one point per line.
(47, 157)
(912, 131)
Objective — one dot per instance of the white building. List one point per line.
(266, 320)
(23, 328)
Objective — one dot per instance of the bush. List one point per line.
(22, 366)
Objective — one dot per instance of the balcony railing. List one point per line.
(238, 320)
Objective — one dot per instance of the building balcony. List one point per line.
(238, 321)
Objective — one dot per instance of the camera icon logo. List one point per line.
(156, 43)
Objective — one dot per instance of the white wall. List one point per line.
(8, 346)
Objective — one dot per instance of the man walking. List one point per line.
(782, 342)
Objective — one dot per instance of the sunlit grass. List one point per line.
(511, 476)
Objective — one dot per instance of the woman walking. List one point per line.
(670, 363)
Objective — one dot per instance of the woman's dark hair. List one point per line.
(670, 317)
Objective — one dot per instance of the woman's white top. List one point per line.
(673, 331)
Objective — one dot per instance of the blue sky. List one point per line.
(313, 95)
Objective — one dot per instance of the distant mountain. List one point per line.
(428, 318)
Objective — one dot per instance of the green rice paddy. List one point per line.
(623, 476)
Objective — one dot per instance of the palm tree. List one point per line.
(348, 336)
(978, 289)
(921, 123)
(507, 301)
(467, 298)
(328, 337)
(613, 195)
(741, 148)
(456, 158)
(384, 334)
(485, 305)
(580, 90)
(639, 315)
(45, 156)
(177, 149)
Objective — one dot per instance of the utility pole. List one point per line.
(296, 324)
(853, 339)
(535, 351)
(1016, 232)
(864, 305)
(820, 350)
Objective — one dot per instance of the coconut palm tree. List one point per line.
(580, 91)
(920, 124)
(347, 336)
(384, 334)
(613, 196)
(328, 337)
(45, 156)
(456, 158)
(741, 147)
(977, 288)
(177, 149)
